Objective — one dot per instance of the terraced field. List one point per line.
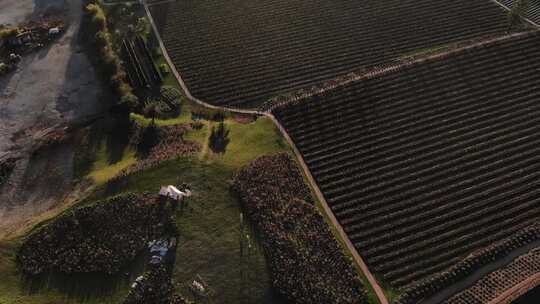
(426, 162)
(240, 53)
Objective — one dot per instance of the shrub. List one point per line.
(128, 101)
(306, 261)
(8, 32)
(4, 68)
(164, 69)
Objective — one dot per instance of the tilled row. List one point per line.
(424, 165)
(229, 53)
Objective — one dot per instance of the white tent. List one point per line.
(174, 193)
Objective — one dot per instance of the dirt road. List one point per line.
(52, 87)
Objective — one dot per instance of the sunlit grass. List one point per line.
(102, 170)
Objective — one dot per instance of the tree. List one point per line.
(151, 110)
(142, 28)
(128, 102)
(514, 15)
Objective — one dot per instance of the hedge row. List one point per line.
(306, 262)
(109, 60)
(99, 238)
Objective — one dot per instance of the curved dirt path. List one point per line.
(358, 259)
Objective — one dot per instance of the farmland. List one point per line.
(426, 162)
(241, 53)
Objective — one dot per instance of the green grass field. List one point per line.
(210, 233)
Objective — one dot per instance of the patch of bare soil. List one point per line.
(15, 11)
(244, 118)
(52, 88)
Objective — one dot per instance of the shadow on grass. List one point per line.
(219, 139)
(86, 286)
(113, 132)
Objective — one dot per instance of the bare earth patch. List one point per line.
(51, 88)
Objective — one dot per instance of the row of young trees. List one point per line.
(109, 61)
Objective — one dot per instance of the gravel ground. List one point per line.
(15, 11)
(55, 86)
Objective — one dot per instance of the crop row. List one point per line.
(500, 280)
(229, 53)
(427, 164)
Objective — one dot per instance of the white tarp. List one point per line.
(54, 31)
(173, 192)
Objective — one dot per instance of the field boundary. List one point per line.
(358, 259)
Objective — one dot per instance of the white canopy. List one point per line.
(173, 192)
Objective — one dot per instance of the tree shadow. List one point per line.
(117, 139)
(148, 139)
(86, 286)
(219, 139)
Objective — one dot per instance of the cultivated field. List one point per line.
(424, 163)
(240, 53)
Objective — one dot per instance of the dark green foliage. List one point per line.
(219, 139)
(306, 262)
(108, 59)
(99, 238)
